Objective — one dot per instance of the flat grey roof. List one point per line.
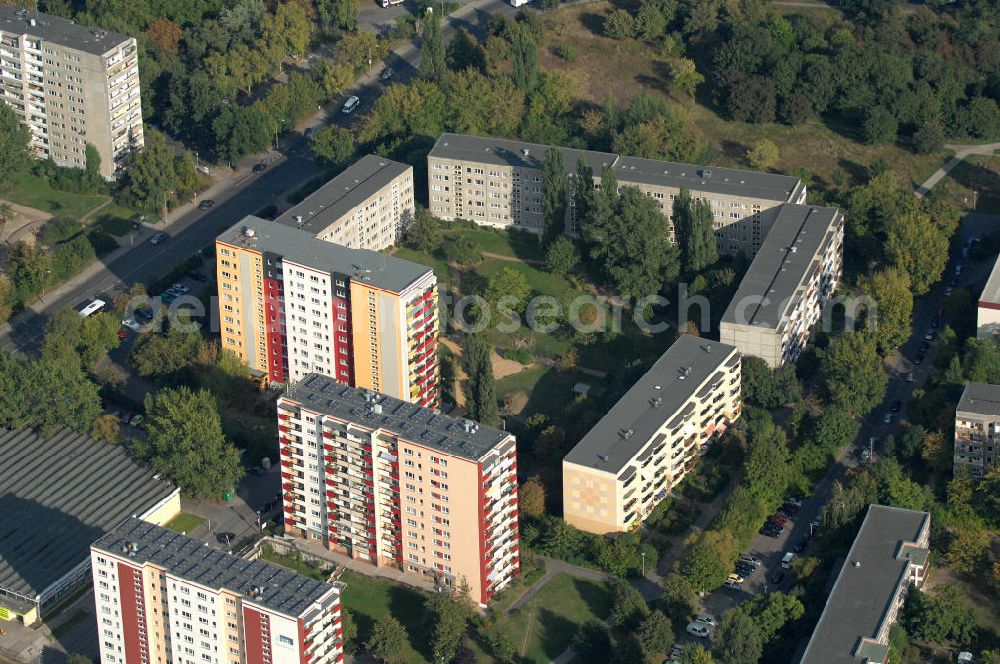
(59, 30)
(279, 588)
(423, 426)
(635, 411)
(729, 181)
(372, 267)
(59, 494)
(781, 265)
(861, 595)
(980, 399)
(343, 193)
(991, 292)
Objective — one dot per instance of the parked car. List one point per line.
(949, 290)
(925, 346)
(386, 74)
(800, 546)
(919, 359)
(778, 519)
(794, 501)
(786, 561)
(351, 105)
(931, 335)
(126, 417)
(888, 418)
(958, 269)
(122, 334)
(750, 558)
(865, 455)
(259, 168)
(732, 585)
(744, 569)
(736, 578)
(157, 239)
(137, 421)
(705, 620)
(168, 297)
(772, 531)
(696, 629)
(206, 204)
(198, 276)
(180, 288)
(777, 576)
(909, 377)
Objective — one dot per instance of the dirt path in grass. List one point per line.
(24, 220)
(86, 218)
(513, 259)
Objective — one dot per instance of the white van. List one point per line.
(519, 3)
(350, 105)
(786, 562)
(92, 308)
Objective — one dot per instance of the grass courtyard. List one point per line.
(185, 522)
(367, 599)
(33, 191)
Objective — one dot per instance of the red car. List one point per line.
(121, 335)
(778, 519)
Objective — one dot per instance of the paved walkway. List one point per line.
(961, 152)
(23, 220)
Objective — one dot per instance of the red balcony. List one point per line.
(327, 434)
(282, 428)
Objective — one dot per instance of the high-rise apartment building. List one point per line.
(291, 305)
(988, 307)
(164, 597)
(367, 206)
(645, 445)
(71, 85)
(790, 280)
(498, 183)
(395, 484)
(977, 420)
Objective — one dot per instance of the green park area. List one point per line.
(185, 522)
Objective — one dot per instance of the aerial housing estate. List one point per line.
(645, 445)
(164, 597)
(977, 417)
(72, 86)
(309, 292)
(889, 554)
(395, 484)
(790, 280)
(498, 183)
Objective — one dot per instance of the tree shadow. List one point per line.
(595, 595)
(653, 82)
(555, 632)
(732, 149)
(981, 180)
(857, 172)
(593, 22)
(407, 605)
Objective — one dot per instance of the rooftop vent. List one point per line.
(249, 232)
(657, 387)
(707, 174)
(657, 402)
(526, 152)
(628, 433)
(377, 408)
(604, 457)
(32, 22)
(857, 564)
(794, 249)
(708, 348)
(298, 218)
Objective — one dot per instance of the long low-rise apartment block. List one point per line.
(790, 280)
(652, 437)
(367, 206)
(988, 307)
(291, 305)
(72, 86)
(164, 597)
(394, 484)
(889, 554)
(498, 183)
(977, 419)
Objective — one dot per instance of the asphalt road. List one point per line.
(771, 550)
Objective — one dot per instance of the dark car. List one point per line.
(157, 239)
(800, 546)
(745, 570)
(774, 532)
(386, 74)
(198, 275)
(896, 405)
(206, 204)
(919, 359)
(777, 577)
(259, 168)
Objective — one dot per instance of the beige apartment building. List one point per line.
(161, 597)
(367, 206)
(395, 484)
(645, 445)
(790, 280)
(497, 182)
(889, 555)
(988, 307)
(71, 85)
(977, 418)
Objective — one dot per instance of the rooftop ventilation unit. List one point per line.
(604, 457)
(525, 152)
(628, 433)
(298, 218)
(657, 402)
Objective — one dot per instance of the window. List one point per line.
(285, 641)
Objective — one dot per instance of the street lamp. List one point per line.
(643, 555)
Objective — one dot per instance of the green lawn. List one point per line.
(367, 599)
(185, 522)
(516, 244)
(553, 615)
(114, 219)
(295, 563)
(32, 191)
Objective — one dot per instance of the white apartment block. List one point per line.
(162, 597)
(367, 206)
(71, 85)
(789, 282)
(645, 445)
(988, 307)
(393, 484)
(498, 183)
(977, 420)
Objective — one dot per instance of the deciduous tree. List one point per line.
(555, 193)
(106, 428)
(890, 320)
(14, 139)
(332, 145)
(655, 633)
(763, 155)
(852, 373)
(531, 496)
(629, 608)
(433, 65)
(387, 639)
(562, 256)
(592, 642)
(914, 244)
(693, 230)
(737, 639)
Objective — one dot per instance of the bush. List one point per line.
(521, 355)
(619, 24)
(567, 52)
(463, 251)
(59, 229)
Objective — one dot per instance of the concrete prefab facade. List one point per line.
(367, 206)
(790, 280)
(988, 309)
(977, 418)
(652, 437)
(394, 484)
(164, 597)
(890, 554)
(71, 85)
(291, 305)
(498, 183)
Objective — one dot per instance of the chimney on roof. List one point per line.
(857, 564)
(604, 457)
(526, 152)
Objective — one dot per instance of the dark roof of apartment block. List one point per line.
(343, 193)
(781, 265)
(363, 265)
(980, 399)
(373, 410)
(57, 30)
(265, 584)
(710, 179)
(59, 494)
(865, 588)
(651, 402)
